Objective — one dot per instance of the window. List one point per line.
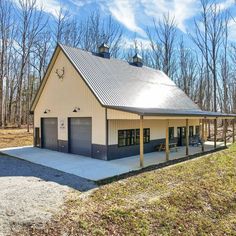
(190, 131)
(183, 132)
(121, 138)
(126, 137)
(137, 141)
(146, 135)
(171, 133)
(197, 130)
(131, 137)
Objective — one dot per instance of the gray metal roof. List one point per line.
(123, 86)
(173, 112)
(117, 83)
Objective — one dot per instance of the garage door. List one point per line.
(80, 136)
(49, 133)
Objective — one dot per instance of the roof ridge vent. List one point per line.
(103, 51)
(137, 60)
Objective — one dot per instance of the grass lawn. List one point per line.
(197, 197)
(15, 138)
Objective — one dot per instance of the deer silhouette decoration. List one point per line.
(60, 73)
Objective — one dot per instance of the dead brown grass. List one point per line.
(15, 137)
(193, 198)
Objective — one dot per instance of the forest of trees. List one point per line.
(205, 71)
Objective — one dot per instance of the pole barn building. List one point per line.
(93, 105)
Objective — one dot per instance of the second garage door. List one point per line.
(80, 136)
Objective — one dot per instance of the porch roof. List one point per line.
(173, 112)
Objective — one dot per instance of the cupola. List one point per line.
(103, 51)
(137, 60)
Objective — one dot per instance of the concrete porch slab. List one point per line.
(94, 169)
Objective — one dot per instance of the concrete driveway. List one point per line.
(84, 167)
(93, 169)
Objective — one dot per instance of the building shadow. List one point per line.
(13, 167)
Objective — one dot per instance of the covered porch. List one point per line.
(184, 151)
(156, 158)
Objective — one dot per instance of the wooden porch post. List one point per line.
(225, 131)
(187, 138)
(215, 132)
(205, 128)
(141, 141)
(167, 140)
(203, 134)
(233, 122)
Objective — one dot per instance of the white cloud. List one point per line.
(181, 10)
(81, 3)
(134, 14)
(232, 30)
(124, 12)
(141, 43)
(49, 6)
(224, 5)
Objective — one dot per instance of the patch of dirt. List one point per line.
(28, 201)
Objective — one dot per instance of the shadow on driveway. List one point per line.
(10, 166)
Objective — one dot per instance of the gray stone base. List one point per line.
(63, 146)
(115, 152)
(99, 151)
(37, 143)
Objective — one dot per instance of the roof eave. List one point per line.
(201, 114)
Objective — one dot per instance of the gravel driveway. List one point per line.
(31, 194)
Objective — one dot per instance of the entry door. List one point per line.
(49, 133)
(80, 136)
(181, 134)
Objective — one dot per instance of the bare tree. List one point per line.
(225, 67)
(5, 40)
(208, 39)
(88, 33)
(232, 85)
(207, 36)
(187, 75)
(163, 43)
(29, 27)
(40, 54)
(97, 31)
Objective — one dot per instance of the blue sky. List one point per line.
(136, 15)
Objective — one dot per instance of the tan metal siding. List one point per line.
(61, 96)
(157, 127)
(115, 114)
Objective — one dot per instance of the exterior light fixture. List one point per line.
(76, 109)
(47, 111)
